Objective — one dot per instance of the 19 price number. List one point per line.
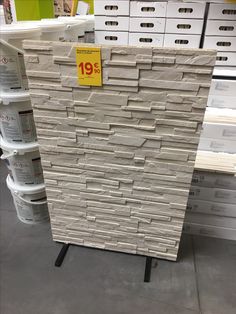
(89, 68)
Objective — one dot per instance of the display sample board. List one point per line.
(118, 159)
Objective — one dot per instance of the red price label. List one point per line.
(89, 68)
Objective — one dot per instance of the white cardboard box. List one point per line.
(182, 41)
(111, 8)
(222, 11)
(213, 194)
(229, 71)
(147, 25)
(219, 131)
(111, 38)
(112, 23)
(227, 102)
(210, 231)
(223, 88)
(213, 179)
(210, 220)
(221, 28)
(146, 39)
(220, 43)
(217, 145)
(211, 208)
(221, 116)
(186, 26)
(226, 58)
(148, 9)
(185, 10)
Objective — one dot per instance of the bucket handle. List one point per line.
(2, 41)
(11, 154)
(71, 26)
(29, 202)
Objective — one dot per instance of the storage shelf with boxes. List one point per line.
(158, 23)
(211, 208)
(211, 205)
(220, 32)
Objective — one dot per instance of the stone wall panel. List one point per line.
(118, 159)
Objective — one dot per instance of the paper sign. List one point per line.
(88, 61)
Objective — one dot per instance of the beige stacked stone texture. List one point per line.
(118, 159)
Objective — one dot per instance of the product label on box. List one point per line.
(192, 207)
(229, 133)
(222, 194)
(37, 169)
(22, 169)
(216, 103)
(88, 61)
(217, 208)
(27, 125)
(24, 210)
(215, 144)
(221, 86)
(9, 75)
(16, 127)
(10, 126)
(198, 178)
(222, 183)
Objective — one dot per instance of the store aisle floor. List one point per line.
(99, 282)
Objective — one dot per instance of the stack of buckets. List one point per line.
(18, 139)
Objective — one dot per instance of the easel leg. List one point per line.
(148, 268)
(62, 255)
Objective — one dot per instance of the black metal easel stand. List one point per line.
(148, 269)
(65, 247)
(62, 254)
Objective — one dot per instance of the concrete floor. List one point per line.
(99, 282)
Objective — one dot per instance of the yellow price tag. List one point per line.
(88, 61)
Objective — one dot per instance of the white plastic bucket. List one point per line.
(52, 29)
(30, 202)
(15, 33)
(89, 28)
(16, 117)
(23, 162)
(12, 67)
(74, 28)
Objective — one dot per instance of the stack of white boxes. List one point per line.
(211, 209)
(147, 23)
(111, 22)
(219, 127)
(168, 24)
(184, 24)
(212, 199)
(221, 33)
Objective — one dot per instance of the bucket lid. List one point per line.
(10, 97)
(69, 20)
(51, 25)
(21, 148)
(24, 189)
(19, 30)
(86, 17)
